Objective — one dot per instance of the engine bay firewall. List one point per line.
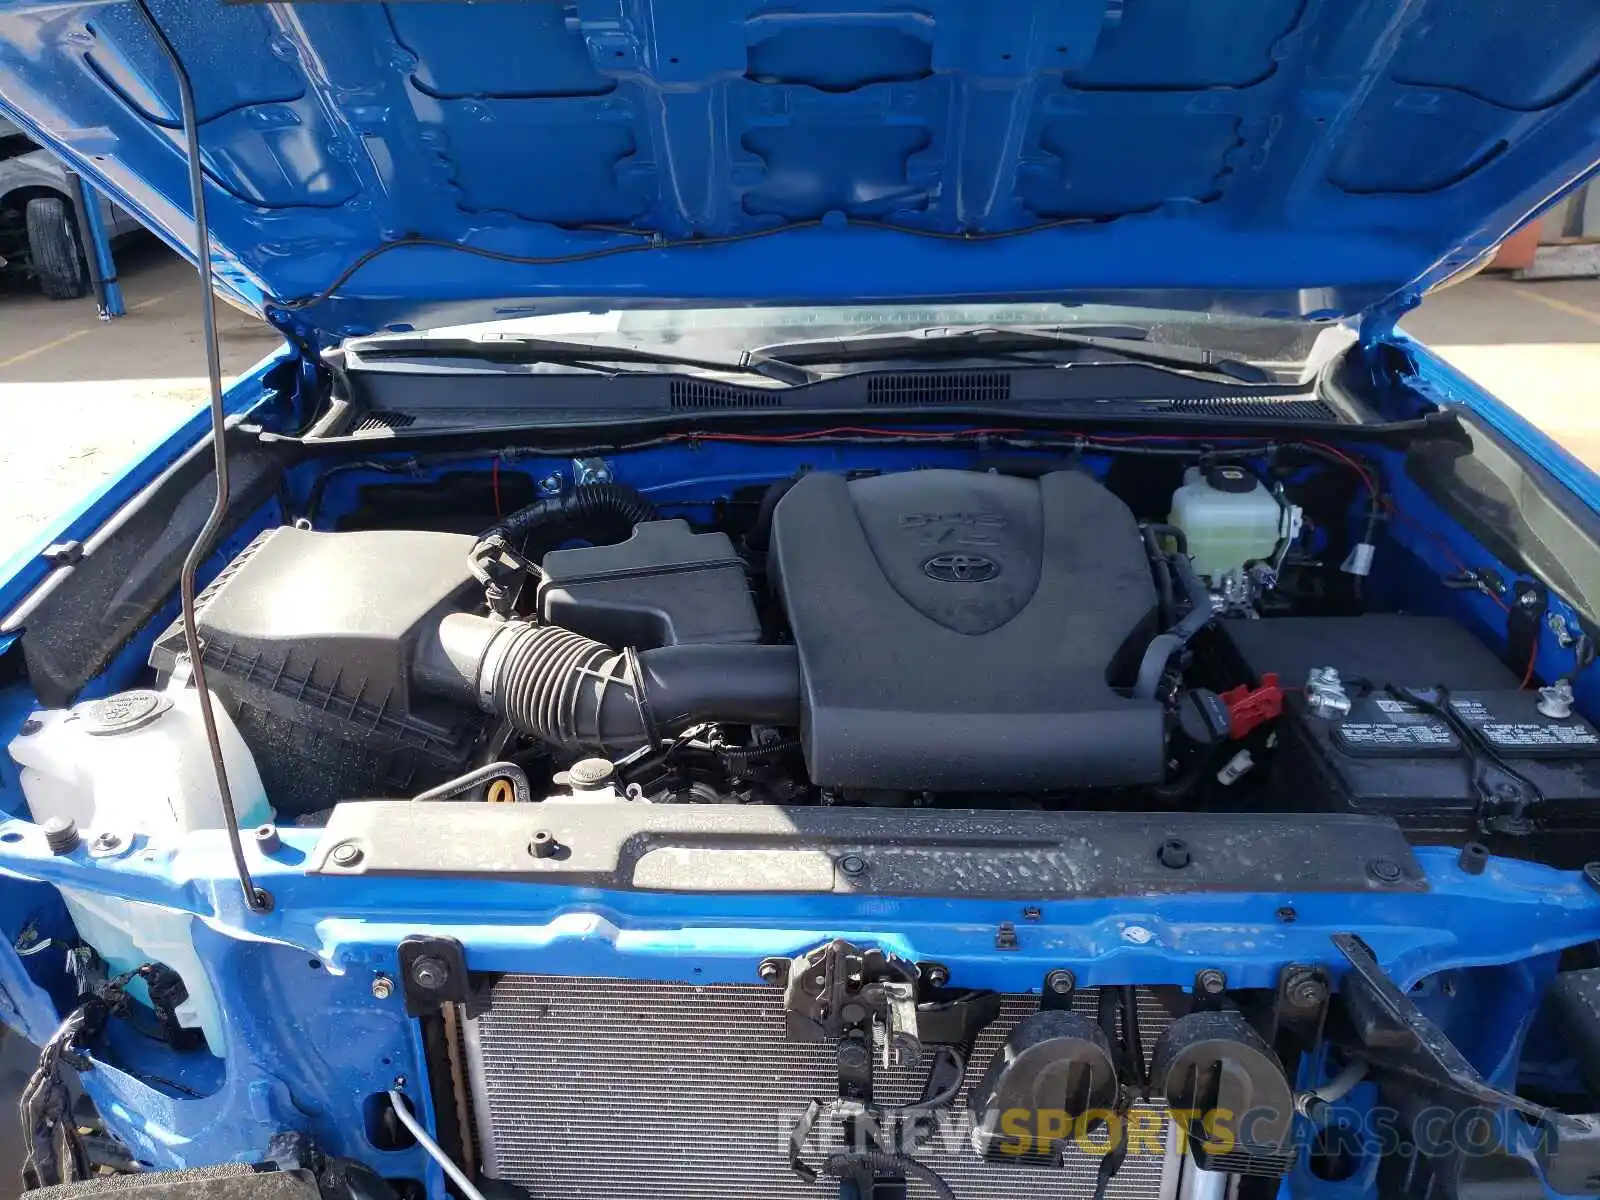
(960, 630)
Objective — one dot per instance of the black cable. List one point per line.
(939, 1099)
(739, 759)
(1133, 1040)
(845, 1166)
(53, 1150)
(654, 240)
(1478, 749)
(415, 463)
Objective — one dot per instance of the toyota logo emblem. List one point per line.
(960, 568)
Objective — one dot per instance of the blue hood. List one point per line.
(373, 165)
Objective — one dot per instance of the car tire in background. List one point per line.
(53, 243)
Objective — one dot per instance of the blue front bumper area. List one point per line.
(313, 1034)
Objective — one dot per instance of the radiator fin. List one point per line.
(601, 1089)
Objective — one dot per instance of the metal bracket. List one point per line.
(433, 973)
(838, 987)
(1398, 1038)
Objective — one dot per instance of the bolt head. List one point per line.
(543, 844)
(853, 1053)
(1305, 990)
(937, 975)
(1474, 858)
(382, 987)
(1385, 870)
(1210, 982)
(30, 727)
(1174, 854)
(429, 973)
(107, 841)
(1287, 914)
(853, 864)
(346, 854)
(1061, 982)
(769, 970)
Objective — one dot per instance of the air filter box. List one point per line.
(309, 639)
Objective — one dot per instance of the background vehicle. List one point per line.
(39, 236)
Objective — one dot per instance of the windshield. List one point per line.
(729, 331)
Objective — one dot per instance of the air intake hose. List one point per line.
(601, 513)
(578, 695)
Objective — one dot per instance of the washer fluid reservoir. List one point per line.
(134, 764)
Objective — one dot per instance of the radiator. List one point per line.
(605, 1089)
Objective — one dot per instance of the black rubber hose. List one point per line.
(1180, 539)
(739, 759)
(578, 695)
(760, 535)
(1163, 577)
(1163, 646)
(601, 513)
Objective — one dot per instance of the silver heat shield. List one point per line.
(607, 1089)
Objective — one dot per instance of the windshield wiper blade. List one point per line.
(944, 341)
(503, 348)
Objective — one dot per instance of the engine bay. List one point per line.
(537, 753)
(1131, 627)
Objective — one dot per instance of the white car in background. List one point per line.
(39, 235)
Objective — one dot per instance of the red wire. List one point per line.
(1332, 451)
(840, 430)
(868, 431)
(494, 482)
(1360, 470)
(1533, 654)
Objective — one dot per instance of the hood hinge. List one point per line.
(1379, 322)
(1377, 327)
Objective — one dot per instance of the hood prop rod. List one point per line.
(258, 899)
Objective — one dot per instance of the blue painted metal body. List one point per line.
(308, 1044)
(1294, 156)
(370, 165)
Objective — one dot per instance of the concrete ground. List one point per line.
(1534, 345)
(79, 396)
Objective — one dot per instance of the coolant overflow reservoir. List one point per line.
(137, 763)
(1229, 517)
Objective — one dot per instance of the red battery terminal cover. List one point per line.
(1249, 708)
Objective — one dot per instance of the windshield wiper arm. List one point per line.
(944, 341)
(516, 349)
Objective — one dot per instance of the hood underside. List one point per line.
(425, 163)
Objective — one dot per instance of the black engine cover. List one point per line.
(955, 631)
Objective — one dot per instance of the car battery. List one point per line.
(1499, 759)
(1438, 735)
